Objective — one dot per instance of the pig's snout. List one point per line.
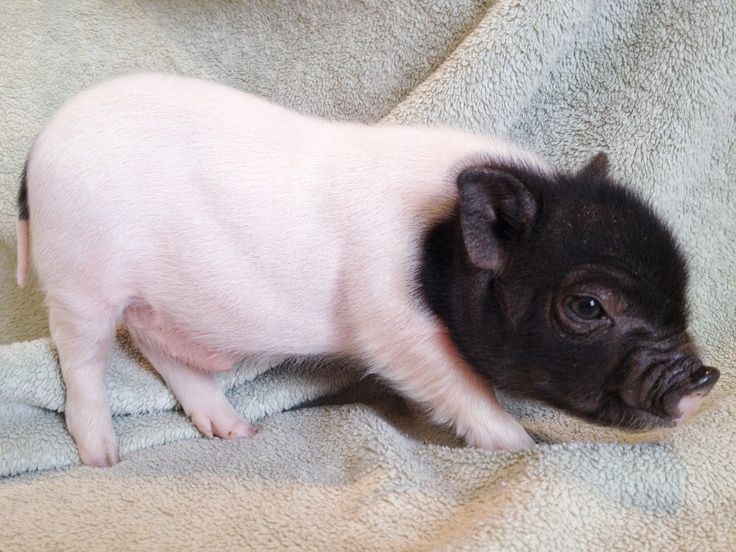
(703, 380)
(699, 385)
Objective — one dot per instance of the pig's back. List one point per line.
(178, 191)
(235, 215)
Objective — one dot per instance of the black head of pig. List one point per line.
(567, 289)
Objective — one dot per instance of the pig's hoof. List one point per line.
(227, 425)
(100, 455)
(96, 441)
(500, 443)
(512, 437)
(520, 441)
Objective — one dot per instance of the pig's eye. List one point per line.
(584, 307)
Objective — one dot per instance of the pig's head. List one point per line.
(567, 289)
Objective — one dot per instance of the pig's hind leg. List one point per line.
(200, 397)
(196, 390)
(83, 332)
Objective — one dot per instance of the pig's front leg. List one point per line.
(428, 370)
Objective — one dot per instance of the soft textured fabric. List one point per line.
(651, 83)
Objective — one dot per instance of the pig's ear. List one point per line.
(597, 166)
(496, 209)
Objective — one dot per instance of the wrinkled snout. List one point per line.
(666, 385)
(697, 387)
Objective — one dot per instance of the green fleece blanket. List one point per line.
(653, 83)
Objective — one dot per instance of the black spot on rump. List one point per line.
(23, 194)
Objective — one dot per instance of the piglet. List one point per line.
(217, 226)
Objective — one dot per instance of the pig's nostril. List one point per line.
(703, 379)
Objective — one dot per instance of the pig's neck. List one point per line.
(444, 283)
(435, 278)
(469, 302)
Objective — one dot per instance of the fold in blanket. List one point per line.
(651, 83)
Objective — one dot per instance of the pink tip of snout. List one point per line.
(688, 405)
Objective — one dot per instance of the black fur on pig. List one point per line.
(23, 194)
(509, 301)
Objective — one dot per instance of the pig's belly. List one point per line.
(154, 330)
(217, 339)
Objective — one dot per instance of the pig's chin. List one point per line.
(643, 420)
(613, 411)
(631, 419)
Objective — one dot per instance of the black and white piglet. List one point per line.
(216, 225)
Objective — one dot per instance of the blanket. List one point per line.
(339, 461)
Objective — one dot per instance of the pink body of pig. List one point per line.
(216, 225)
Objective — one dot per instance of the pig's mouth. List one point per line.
(667, 395)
